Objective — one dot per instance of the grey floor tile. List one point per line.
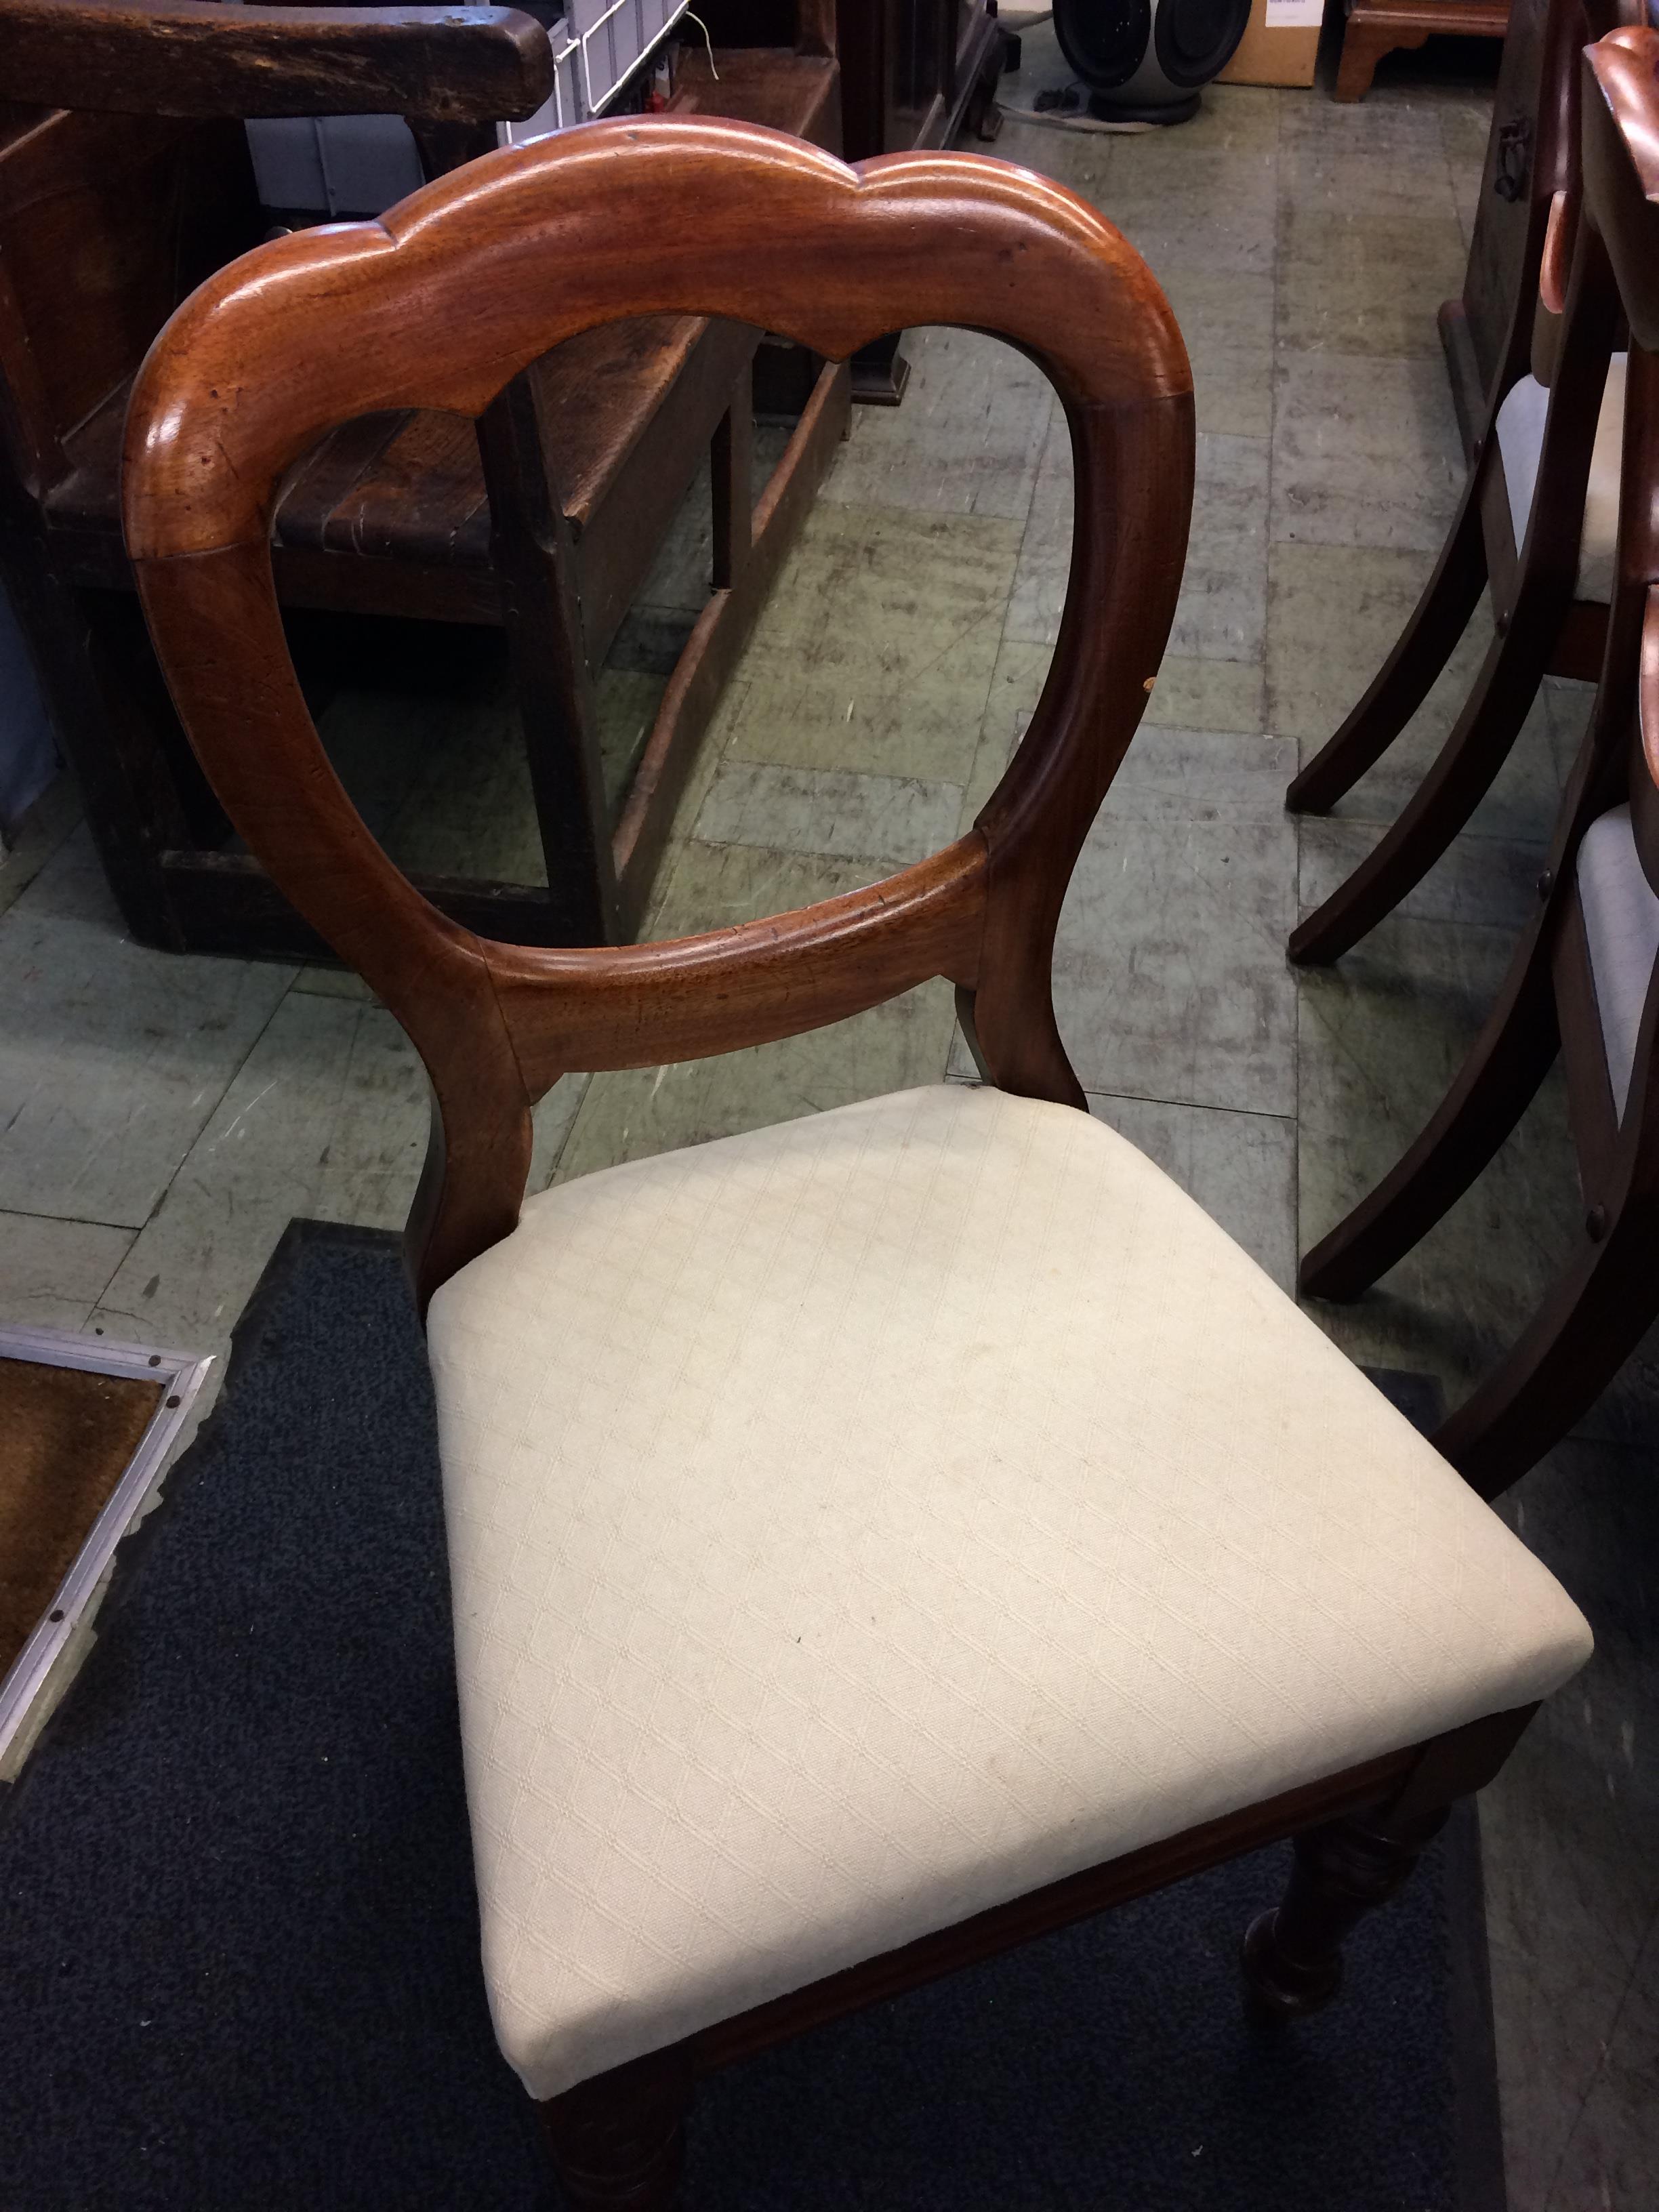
(1385, 157)
(1210, 694)
(52, 1273)
(1568, 706)
(115, 1056)
(29, 847)
(1521, 804)
(1492, 881)
(1190, 208)
(1045, 554)
(1369, 282)
(1017, 684)
(1465, 127)
(1365, 451)
(875, 651)
(1334, 613)
(554, 1118)
(1241, 1168)
(1232, 118)
(895, 820)
(327, 983)
(1227, 321)
(328, 1118)
(1380, 1038)
(1222, 612)
(681, 576)
(1169, 974)
(442, 780)
(636, 1112)
(1079, 159)
(1200, 775)
(628, 1113)
(965, 441)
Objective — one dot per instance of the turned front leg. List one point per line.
(1293, 1955)
(618, 2141)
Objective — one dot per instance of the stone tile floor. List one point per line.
(164, 1117)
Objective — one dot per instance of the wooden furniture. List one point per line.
(1376, 28)
(1580, 981)
(915, 73)
(1536, 521)
(828, 1533)
(543, 522)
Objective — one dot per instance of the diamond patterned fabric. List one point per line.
(861, 1522)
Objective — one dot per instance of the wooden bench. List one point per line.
(542, 520)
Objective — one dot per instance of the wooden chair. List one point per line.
(880, 1539)
(1580, 981)
(1535, 520)
(543, 523)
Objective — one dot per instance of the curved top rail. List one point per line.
(452, 292)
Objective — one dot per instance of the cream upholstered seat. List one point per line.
(863, 1521)
(1521, 445)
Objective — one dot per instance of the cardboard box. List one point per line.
(1279, 46)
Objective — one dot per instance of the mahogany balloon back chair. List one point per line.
(1581, 980)
(881, 1538)
(1536, 521)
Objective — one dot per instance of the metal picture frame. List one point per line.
(181, 1376)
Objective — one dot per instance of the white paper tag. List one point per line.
(1295, 15)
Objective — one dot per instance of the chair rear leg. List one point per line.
(1587, 1327)
(618, 2141)
(1490, 1091)
(1405, 678)
(1478, 746)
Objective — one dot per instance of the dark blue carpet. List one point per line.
(238, 1944)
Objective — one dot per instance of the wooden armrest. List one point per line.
(195, 58)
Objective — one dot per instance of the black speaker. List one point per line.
(1144, 60)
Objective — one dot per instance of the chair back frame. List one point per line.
(439, 305)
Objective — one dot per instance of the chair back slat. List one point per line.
(439, 305)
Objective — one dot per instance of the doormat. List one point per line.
(239, 1947)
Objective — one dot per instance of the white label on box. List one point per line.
(1295, 15)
